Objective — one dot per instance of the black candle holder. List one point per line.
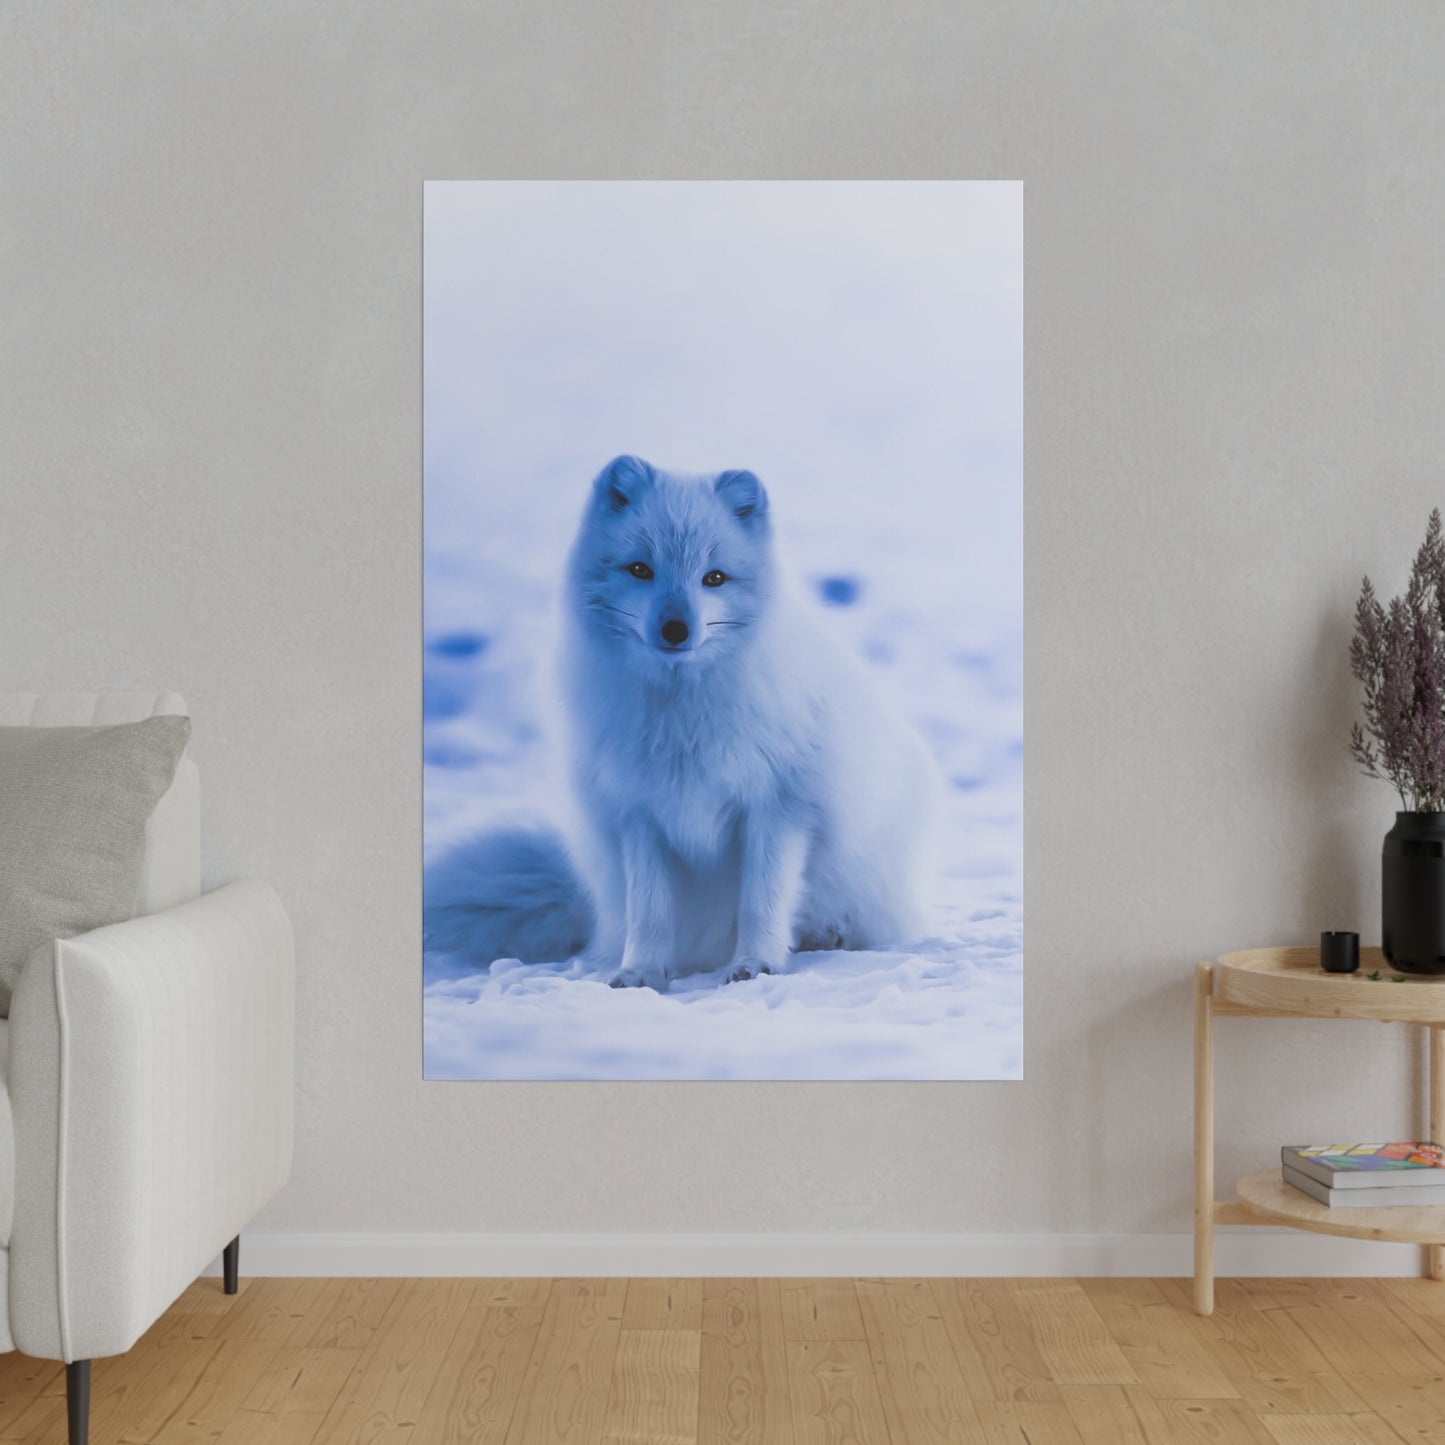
(1340, 952)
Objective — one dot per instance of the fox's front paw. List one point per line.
(642, 976)
(743, 969)
(598, 960)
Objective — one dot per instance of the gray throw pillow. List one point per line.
(73, 809)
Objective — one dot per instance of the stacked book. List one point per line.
(1367, 1176)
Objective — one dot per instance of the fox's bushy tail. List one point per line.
(505, 893)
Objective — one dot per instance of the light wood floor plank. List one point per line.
(921, 1289)
(1074, 1342)
(1357, 1305)
(569, 1378)
(743, 1387)
(1276, 1293)
(513, 1291)
(1318, 1326)
(1413, 1407)
(23, 1380)
(991, 1338)
(598, 1288)
(764, 1362)
(1028, 1422)
(1207, 1422)
(271, 1309)
(834, 1394)
(345, 1318)
(653, 1400)
(43, 1422)
(177, 1370)
(1419, 1295)
(1165, 1346)
(479, 1384)
(203, 1298)
(1279, 1325)
(230, 1375)
(394, 1376)
(663, 1304)
(925, 1397)
(1268, 1375)
(1109, 1413)
(1420, 1312)
(290, 1399)
(821, 1309)
(1330, 1430)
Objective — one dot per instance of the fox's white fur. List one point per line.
(743, 785)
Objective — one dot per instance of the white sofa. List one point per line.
(147, 1071)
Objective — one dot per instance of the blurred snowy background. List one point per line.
(859, 346)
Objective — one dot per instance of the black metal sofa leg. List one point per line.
(77, 1374)
(77, 1401)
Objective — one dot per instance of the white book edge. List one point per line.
(1357, 1199)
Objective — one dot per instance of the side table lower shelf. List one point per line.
(1269, 1200)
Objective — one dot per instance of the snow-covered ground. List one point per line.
(858, 346)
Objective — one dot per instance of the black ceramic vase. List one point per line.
(1414, 893)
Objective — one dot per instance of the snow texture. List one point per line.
(859, 346)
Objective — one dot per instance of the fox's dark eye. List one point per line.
(640, 570)
(714, 578)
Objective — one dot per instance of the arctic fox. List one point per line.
(743, 786)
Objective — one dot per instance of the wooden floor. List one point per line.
(766, 1362)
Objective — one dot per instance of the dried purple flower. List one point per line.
(1398, 654)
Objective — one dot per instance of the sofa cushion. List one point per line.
(74, 802)
(171, 871)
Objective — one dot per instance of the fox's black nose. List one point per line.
(674, 632)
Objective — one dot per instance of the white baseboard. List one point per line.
(1249, 1252)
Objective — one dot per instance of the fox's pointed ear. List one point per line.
(620, 481)
(744, 496)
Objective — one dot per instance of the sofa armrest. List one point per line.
(151, 1072)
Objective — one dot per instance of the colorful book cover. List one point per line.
(1365, 1158)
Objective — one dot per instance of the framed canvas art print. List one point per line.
(722, 679)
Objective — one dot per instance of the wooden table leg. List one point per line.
(1435, 1253)
(1204, 1138)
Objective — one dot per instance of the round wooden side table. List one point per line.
(1289, 983)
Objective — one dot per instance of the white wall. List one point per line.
(210, 480)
